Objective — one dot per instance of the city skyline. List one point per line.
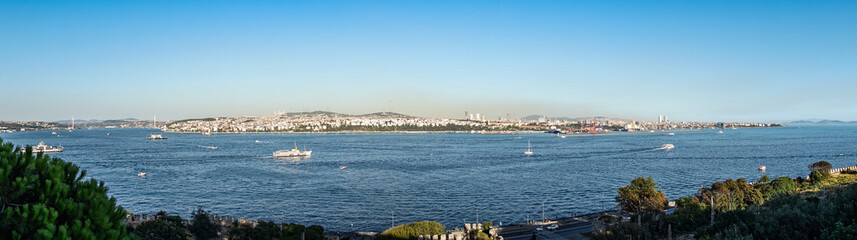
(695, 61)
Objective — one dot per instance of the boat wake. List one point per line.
(210, 147)
(257, 141)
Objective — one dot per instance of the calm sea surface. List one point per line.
(440, 177)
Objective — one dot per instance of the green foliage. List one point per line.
(840, 232)
(44, 197)
(641, 195)
(315, 232)
(822, 166)
(292, 231)
(269, 230)
(479, 235)
(731, 195)
(765, 179)
(690, 213)
(781, 185)
(202, 228)
(240, 232)
(163, 228)
(486, 226)
(792, 217)
(411, 231)
(817, 178)
(265, 230)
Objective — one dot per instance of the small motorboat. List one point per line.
(210, 147)
(54, 133)
(141, 174)
(342, 167)
(671, 134)
(719, 132)
(667, 147)
(762, 168)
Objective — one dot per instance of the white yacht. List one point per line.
(44, 148)
(156, 137)
(719, 132)
(529, 149)
(293, 153)
(671, 134)
(667, 147)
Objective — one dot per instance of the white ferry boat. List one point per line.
(44, 148)
(156, 137)
(293, 153)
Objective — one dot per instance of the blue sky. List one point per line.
(691, 60)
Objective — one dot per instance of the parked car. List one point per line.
(552, 227)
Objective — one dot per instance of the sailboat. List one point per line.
(529, 149)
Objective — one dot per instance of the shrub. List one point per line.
(411, 231)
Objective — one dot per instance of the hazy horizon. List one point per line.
(691, 61)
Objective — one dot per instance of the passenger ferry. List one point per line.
(293, 153)
(44, 148)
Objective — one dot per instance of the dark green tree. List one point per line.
(764, 179)
(817, 177)
(240, 232)
(822, 167)
(164, 227)
(203, 228)
(315, 232)
(640, 196)
(292, 231)
(781, 185)
(265, 230)
(44, 197)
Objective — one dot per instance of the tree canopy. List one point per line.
(641, 195)
(46, 197)
(202, 227)
(822, 167)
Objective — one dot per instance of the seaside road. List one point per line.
(568, 231)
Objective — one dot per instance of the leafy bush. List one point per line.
(411, 231)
